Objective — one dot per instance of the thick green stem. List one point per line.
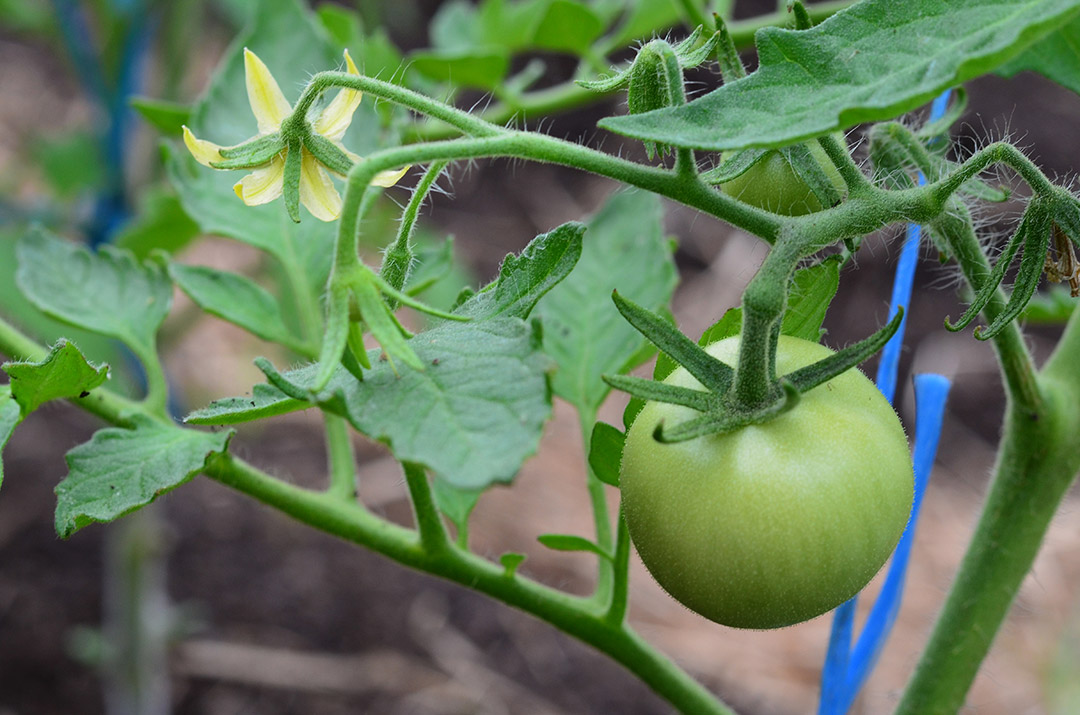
(341, 459)
(428, 521)
(762, 308)
(620, 594)
(1038, 460)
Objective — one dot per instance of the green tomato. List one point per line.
(777, 523)
(772, 184)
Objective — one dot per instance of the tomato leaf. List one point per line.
(847, 70)
(63, 374)
(120, 470)
(10, 417)
(457, 504)
(524, 279)
(605, 452)
(107, 292)
(485, 398)
(1056, 57)
(624, 249)
(568, 26)
(510, 562)
(472, 67)
(160, 224)
(234, 298)
(811, 293)
(569, 542)
(165, 116)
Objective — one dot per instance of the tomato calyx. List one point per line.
(721, 412)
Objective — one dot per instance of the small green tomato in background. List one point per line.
(772, 184)
(777, 523)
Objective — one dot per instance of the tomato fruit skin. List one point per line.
(777, 523)
(772, 184)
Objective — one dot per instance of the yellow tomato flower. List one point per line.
(266, 182)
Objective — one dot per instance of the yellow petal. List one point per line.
(335, 118)
(203, 151)
(317, 191)
(262, 185)
(389, 178)
(268, 104)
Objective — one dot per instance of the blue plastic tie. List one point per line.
(845, 670)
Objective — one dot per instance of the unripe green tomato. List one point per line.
(772, 184)
(776, 523)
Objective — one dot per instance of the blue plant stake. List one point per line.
(847, 668)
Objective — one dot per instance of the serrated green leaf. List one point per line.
(63, 374)
(524, 279)
(605, 453)
(813, 291)
(480, 67)
(875, 60)
(234, 298)
(568, 26)
(624, 249)
(730, 323)
(569, 542)
(472, 416)
(1056, 57)
(10, 417)
(265, 401)
(165, 116)
(107, 292)
(120, 470)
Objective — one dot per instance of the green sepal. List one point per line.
(290, 182)
(254, 158)
(802, 19)
(380, 320)
(723, 420)
(807, 168)
(655, 391)
(407, 300)
(809, 377)
(731, 66)
(275, 378)
(328, 154)
(735, 165)
(335, 335)
(257, 145)
(684, 52)
(1034, 234)
(1032, 263)
(356, 344)
(710, 372)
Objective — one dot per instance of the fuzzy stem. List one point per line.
(340, 458)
